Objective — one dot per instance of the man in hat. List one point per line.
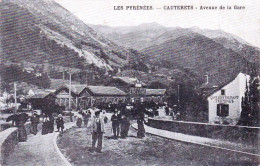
(115, 119)
(34, 122)
(97, 130)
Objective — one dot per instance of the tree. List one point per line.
(250, 102)
(157, 85)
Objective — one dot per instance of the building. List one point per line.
(41, 101)
(83, 96)
(63, 96)
(97, 95)
(28, 69)
(224, 101)
(32, 92)
(155, 94)
(135, 88)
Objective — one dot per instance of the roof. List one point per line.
(37, 91)
(209, 89)
(40, 96)
(155, 92)
(105, 91)
(77, 89)
(29, 68)
(57, 83)
(129, 80)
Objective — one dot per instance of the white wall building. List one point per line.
(225, 102)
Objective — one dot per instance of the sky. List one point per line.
(243, 23)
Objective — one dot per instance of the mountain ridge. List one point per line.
(45, 30)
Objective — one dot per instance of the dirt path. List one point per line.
(39, 150)
(151, 150)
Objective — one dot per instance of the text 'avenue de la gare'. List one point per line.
(177, 7)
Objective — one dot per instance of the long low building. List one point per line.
(83, 96)
(96, 95)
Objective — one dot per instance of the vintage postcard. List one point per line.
(129, 82)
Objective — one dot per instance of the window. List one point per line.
(222, 110)
(223, 92)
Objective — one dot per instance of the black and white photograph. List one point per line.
(129, 83)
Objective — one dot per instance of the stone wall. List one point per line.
(238, 134)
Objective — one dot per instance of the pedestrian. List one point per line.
(97, 130)
(71, 116)
(104, 116)
(51, 123)
(60, 123)
(140, 126)
(115, 123)
(79, 120)
(86, 117)
(21, 120)
(45, 125)
(125, 124)
(167, 110)
(34, 122)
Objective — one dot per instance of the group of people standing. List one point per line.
(95, 120)
(47, 126)
(120, 124)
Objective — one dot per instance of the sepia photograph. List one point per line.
(129, 83)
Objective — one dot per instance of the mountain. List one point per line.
(151, 34)
(136, 37)
(199, 55)
(41, 31)
(195, 51)
(231, 41)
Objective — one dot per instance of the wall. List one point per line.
(234, 92)
(238, 134)
(9, 139)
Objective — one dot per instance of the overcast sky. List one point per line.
(243, 23)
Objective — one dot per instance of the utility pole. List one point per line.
(63, 75)
(70, 93)
(178, 97)
(15, 99)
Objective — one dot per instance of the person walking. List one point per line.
(60, 123)
(45, 124)
(140, 126)
(51, 123)
(115, 124)
(79, 120)
(125, 124)
(86, 117)
(34, 122)
(97, 130)
(21, 120)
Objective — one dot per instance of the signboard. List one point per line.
(224, 99)
(134, 91)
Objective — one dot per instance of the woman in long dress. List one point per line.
(140, 125)
(21, 120)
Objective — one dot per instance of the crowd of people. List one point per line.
(95, 119)
(120, 116)
(19, 120)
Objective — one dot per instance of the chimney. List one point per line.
(207, 79)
